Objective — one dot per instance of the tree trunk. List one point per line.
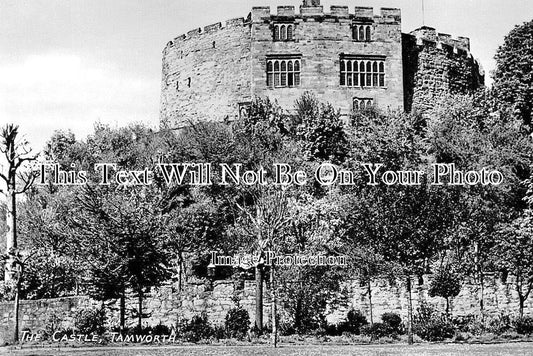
(369, 289)
(122, 311)
(180, 271)
(11, 233)
(259, 297)
(16, 311)
(140, 311)
(447, 307)
(274, 306)
(521, 301)
(409, 312)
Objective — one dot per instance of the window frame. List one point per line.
(367, 103)
(367, 72)
(283, 31)
(283, 71)
(362, 31)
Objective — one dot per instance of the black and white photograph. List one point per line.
(266, 177)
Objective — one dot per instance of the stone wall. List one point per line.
(320, 40)
(166, 305)
(210, 73)
(206, 73)
(436, 64)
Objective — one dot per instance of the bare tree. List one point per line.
(16, 151)
(267, 216)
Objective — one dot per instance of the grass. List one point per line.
(287, 350)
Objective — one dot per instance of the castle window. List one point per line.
(362, 32)
(282, 73)
(358, 72)
(362, 103)
(283, 32)
(276, 33)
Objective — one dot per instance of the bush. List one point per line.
(161, 329)
(524, 325)
(237, 323)
(198, 328)
(393, 321)
(90, 321)
(354, 321)
(435, 330)
(136, 331)
(377, 330)
(432, 326)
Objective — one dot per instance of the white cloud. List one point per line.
(64, 91)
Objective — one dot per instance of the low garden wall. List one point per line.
(166, 305)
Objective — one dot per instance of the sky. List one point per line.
(68, 64)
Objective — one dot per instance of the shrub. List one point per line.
(435, 330)
(376, 330)
(237, 323)
(136, 331)
(499, 324)
(90, 321)
(524, 325)
(393, 321)
(354, 321)
(196, 329)
(432, 326)
(161, 329)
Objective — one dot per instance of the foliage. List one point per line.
(513, 252)
(446, 284)
(319, 128)
(513, 75)
(524, 325)
(355, 320)
(431, 325)
(393, 321)
(90, 321)
(237, 323)
(198, 328)
(161, 329)
(377, 330)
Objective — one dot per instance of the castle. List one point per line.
(352, 60)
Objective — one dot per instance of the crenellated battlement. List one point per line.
(209, 29)
(212, 71)
(428, 35)
(387, 15)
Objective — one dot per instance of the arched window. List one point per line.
(276, 33)
(381, 74)
(362, 103)
(270, 74)
(361, 32)
(289, 32)
(368, 74)
(283, 33)
(276, 74)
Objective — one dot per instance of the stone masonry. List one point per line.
(212, 73)
(167, 305)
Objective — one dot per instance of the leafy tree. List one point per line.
(513, 252)
(513, 75)
(319, 129)
(128, 227)
(446, 284)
